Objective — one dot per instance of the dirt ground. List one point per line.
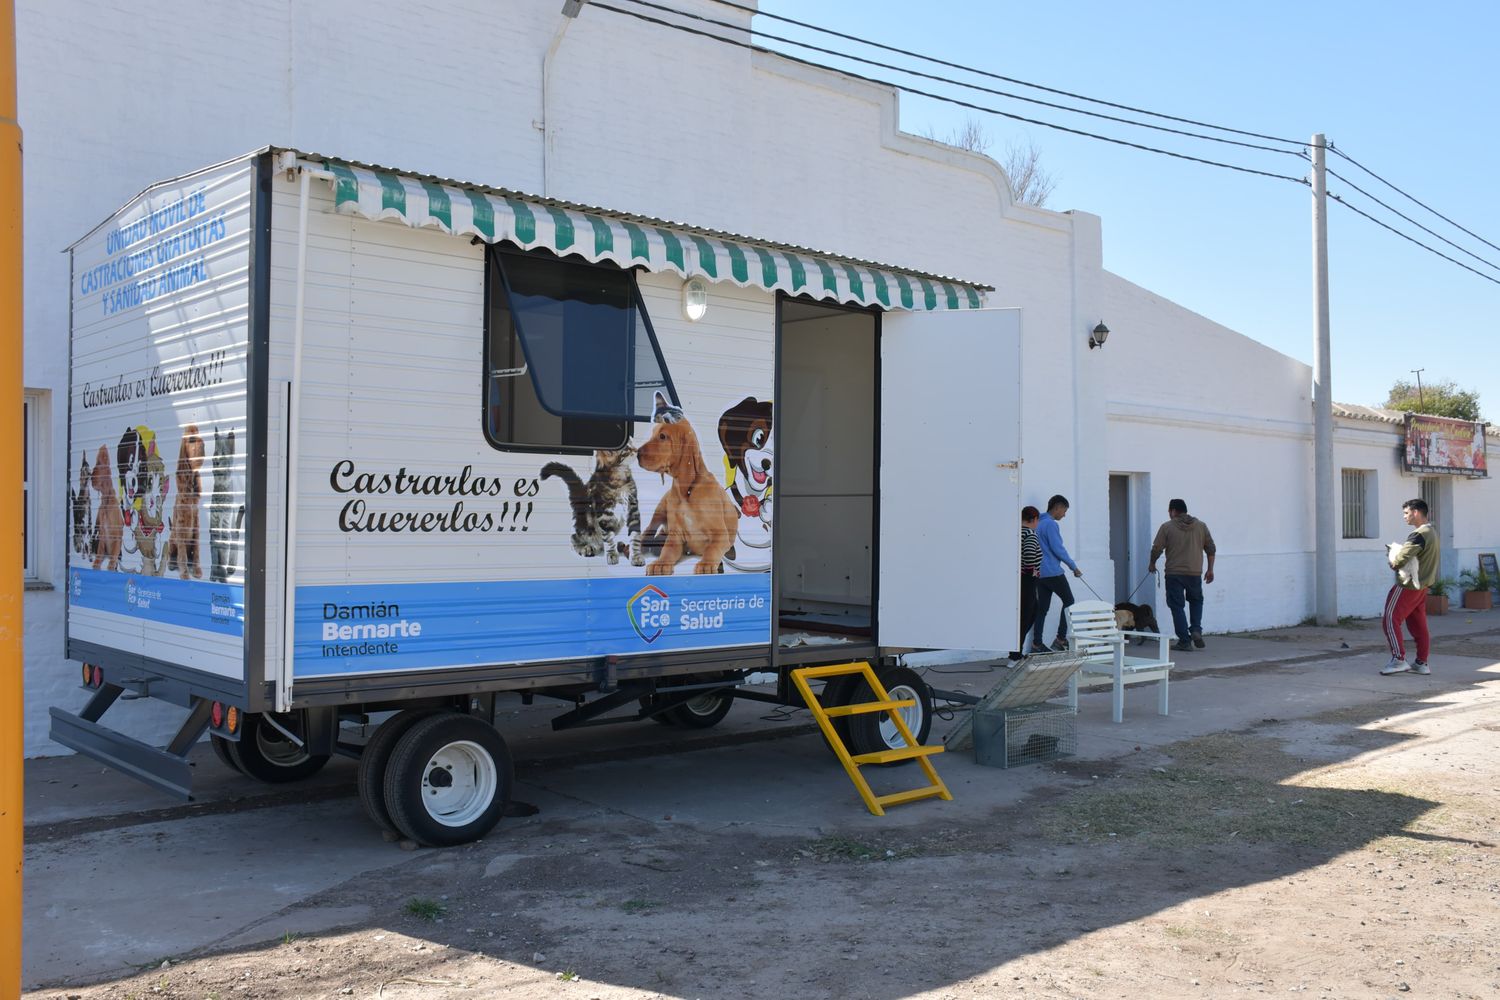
(1351, 854)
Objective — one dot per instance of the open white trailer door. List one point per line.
(950, 479)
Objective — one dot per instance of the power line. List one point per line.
(1412, 239)
(970, 86)
(1394, 211)
(1143, 111)
(1007, 79)
(1403, 194)
(940, 97)
(1046, 124)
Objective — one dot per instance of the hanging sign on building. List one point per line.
(1444, 446)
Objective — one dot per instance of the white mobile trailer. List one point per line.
(530, 447)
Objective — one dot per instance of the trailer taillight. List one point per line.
(88, 675)
(216, 714)
(93, 677)
(232, 720)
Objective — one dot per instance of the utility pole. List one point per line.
(1421, 403)
(1326, 562)
(12, 745)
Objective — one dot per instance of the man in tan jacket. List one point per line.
(1186, 541)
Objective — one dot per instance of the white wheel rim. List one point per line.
(911, 715)
(276, 749)
(459, 783)
(704, 704)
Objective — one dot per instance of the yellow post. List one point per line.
(11, 744)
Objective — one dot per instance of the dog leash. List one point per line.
(1128, 596)
(1149, 573)
(1091, 589)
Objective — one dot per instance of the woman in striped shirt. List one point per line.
(1031, 568)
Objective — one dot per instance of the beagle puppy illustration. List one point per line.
(143, 493)
(749, 460)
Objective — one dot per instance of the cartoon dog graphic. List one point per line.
(143, 492)
(183, 537)
(699, 517)
(749, 459)
(225, 520)
(85, 531)
(655, 535)
(109, 523)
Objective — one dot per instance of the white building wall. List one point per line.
(1225, 423)
(1364, 577)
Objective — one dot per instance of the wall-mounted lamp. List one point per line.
(1098, 335)
(694, 298)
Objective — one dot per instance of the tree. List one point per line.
(1022, 163)
(1440, 399)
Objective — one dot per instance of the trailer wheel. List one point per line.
(835, 693)
(448, 780)
(265, 754)
(373, 761)
(704, 711)
(660, 718)
(874, 731)
(221, 751)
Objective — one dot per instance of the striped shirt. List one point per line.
(1031, 552)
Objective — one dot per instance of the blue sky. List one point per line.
(1408, 92)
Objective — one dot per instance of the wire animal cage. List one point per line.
(1029, 734)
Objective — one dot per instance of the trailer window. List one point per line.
(571, 361)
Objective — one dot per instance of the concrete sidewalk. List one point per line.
(104, 853)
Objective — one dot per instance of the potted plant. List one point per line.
(1437, 595)
(1476, 584)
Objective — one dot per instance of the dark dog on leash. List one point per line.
(1136, 618)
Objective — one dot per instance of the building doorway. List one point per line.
(1130, 536)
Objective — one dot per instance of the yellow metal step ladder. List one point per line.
(852, 762)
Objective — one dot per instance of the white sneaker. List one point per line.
(1420, 667)
(1396, 666)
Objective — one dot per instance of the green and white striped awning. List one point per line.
(529, 223)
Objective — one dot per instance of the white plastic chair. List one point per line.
(1094, 635)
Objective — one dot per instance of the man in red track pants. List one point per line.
(1416, 564)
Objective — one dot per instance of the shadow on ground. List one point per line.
(638, 900)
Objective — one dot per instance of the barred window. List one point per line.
(1357, 503)
(1428, 488)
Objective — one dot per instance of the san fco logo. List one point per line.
(650, 612)
(140, 597)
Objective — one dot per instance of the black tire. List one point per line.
(372, 765)
(702, 711)
(221, 751)
(660, 718)
(873, 732)
(835, 693)
(265, 754)
(448, 780)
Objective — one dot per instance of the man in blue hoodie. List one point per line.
(1052, 581)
